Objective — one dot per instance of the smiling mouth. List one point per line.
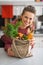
(26, 23)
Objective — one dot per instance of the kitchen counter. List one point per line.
(38, 35)
(36, 59)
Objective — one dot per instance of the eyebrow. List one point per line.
(27, 17)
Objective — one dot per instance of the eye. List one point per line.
(30, 18)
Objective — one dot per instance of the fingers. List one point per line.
(10, 52)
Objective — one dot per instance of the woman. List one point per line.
(27, 18)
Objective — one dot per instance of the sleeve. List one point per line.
(7, 42)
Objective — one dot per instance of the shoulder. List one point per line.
(14, 21)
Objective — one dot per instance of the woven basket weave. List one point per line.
(20, 48)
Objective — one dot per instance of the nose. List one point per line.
(28, 20)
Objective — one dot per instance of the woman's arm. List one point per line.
(7, 41)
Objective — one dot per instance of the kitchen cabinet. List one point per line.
(18, 6)
(38, 10)
(17, 10)
(20, 2)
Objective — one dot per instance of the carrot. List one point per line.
(30, 36)
(20, 35)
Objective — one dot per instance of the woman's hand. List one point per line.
(10, 52)
(32, 42)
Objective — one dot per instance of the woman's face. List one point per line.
(27, 18)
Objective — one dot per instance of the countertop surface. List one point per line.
(36, 59)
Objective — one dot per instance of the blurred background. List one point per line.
(11, 9)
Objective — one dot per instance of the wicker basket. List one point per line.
(20, 47)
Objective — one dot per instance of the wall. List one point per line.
(17, 10)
